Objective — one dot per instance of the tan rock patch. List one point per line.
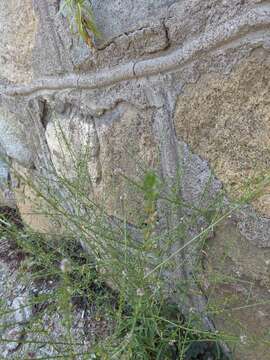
(226, 120)
(34, 210)
(127, 151)
(238, 286)
(118, 151)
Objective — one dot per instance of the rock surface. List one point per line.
(30, 316)
(177, 86)
(18, 30)
(225, 119)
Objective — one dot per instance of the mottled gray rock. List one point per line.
(12, 139)
(17, 27)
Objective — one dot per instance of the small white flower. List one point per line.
(117, 171)
(100, 112)
(243, 339)
(123, 197)
(65, 266)
(172, 342)
(238, 273)
(261, 314)
(103, 271)
(140, 292)
(128, 336)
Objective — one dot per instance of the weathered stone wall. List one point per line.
(18, 29)
(172, 85)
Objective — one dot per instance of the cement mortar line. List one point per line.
(241, 28)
